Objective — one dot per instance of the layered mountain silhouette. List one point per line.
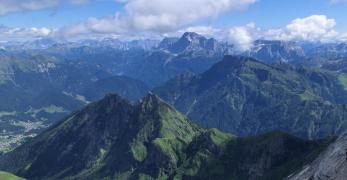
(38, 91)
(298, 88)
(247, 97)
(114, 139)
(277, 51)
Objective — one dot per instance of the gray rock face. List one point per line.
(330, 165)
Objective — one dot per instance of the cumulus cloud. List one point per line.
(315, 28)
(9, 6)
(160, 16)
(312, 28)
(242, 37)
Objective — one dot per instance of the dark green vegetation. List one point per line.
(270, 156)
(113, 139)
(247, 97)
(38, 91)
(43, 81)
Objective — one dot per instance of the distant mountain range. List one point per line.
(44, 80)
(268, 51)
(247, 97)
(277, 51)
(113, 139)
(38, 91)
(271, 112)
(154, 62)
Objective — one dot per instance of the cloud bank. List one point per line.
(18, 34)
(315, 28)
(312, 28)
(157, 16)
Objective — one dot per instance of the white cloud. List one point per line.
(242, 37)
(159, 16)
(312, 28)
(208, 31)
(9, 6)
(342, 37)
(164, 15)
(20, 34)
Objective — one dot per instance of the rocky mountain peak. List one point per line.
(191, 36)
(151, 100)
(191, 41)
(167, 42)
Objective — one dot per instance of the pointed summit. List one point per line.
(107, 137)
(191, 36)
(152, 101)
(191, 41)
(151, 97)
(113, 139)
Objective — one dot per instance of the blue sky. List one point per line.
(64, 15)
(265, 13)
(277, 13)
(256, 18)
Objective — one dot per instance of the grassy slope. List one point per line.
(8, 176)
(247, 97)
(113, 139)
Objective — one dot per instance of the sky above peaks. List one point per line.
(237, 21)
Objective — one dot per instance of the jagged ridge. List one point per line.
(246, 97)
(115, 139)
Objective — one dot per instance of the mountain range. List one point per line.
(247, 97)
(44, 80)
(271, 112)
(39, 91)
(268, 51)
(114, 139)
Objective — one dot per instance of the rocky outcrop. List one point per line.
(330, 165)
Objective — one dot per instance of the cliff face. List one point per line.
(330, 165)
